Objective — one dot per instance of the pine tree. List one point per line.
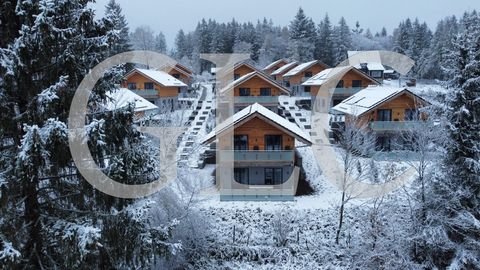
(451, 239)
(117, 27)
(324, 45)
(342, 40)
(160, 43)
(302, 37)
(60, 220)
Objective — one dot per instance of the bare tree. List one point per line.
(356, 142)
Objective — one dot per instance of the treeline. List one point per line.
(304, 40)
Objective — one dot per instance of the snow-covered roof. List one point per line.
(119, 98)
(258, 110)
(158, 76)
(389, 71)
(284, 68)
(168, 68)
(250, 75)
(274, 63)
(300, 68)
(325, 75)
(371, 58)
(214, 70)
(369, 98)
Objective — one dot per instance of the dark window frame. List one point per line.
(273, 147)
(149, 84)
(265, 91)
(356, 83)
(244, 92)
(130, 84)
(244, 144)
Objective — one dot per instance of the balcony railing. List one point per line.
(395, 125)
(259, 155)
(146, 93)
(259, 99)
(346, 91)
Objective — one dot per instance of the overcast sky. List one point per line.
(170, 16)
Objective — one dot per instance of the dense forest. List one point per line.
(51, 218)
(304, 39)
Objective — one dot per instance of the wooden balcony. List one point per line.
(258, 99)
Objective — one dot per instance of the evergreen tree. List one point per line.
(53, 218)
(160, 43)
(302, 37)
(324, 46)
(451, 239)
(342, 40)
(115, 22)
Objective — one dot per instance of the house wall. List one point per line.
(256, 129)
(348, 79)
(182, 77)
(398, 107)
(162, 91)
(297, 79)
(255, 84)
(243, 70)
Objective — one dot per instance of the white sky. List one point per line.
(170, 16)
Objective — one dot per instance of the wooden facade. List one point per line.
(256, 83)
(352, 79)
(140, 80)
(398, 107)
(306, 73)
(256, 129)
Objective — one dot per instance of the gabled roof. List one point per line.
(370, 98)
(251, 75)
(302, 67)
(284, 68)
(157, 76)
(274, 63)
(168, 68)
(325, 75)
(184, 68)
(120, 98)
(370, 65)
(257, 110)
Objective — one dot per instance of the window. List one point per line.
(273, 142)
(356, 83)
(132, 86)
(236, 76)
(275, 77)
(241, 175)
(148, 86)
(411, 114)
(240, 142)
(306, 89)
(244, 92)
(383, 143)
(376, 73)
(287, 83)
(273, 176)
(308, 74)
(265, 92)
(340, 84)
(384, 115)
(176, 75)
